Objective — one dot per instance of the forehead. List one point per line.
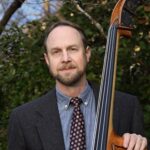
(63, 33)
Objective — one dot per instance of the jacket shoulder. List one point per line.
(125, 98)
(36, 103)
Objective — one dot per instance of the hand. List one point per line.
(134, 142)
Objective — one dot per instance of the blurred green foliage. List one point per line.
(24, 75)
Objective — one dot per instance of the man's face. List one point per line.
(66, 56)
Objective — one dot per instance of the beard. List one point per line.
(72, 79)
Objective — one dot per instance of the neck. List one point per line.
(72, 91)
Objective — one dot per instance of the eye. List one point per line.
(55, 51)
(73, 49)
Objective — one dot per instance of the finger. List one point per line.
(144, 143)
(132, 142)
(126, 139)
(138, 143)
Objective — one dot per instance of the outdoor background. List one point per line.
(23, 73)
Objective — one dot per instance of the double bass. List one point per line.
(105, 137)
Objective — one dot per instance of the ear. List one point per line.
(88, 53)
(46, 58)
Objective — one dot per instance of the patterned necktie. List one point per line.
(77, 130)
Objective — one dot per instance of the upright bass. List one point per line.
(105, 137)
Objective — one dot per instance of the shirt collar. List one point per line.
(64, 100)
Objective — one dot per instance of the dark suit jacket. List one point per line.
(36, 125)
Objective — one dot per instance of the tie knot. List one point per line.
(76, 101)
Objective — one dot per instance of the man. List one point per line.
(45, 124)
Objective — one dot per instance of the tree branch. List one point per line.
(9, 13)
(97, 25)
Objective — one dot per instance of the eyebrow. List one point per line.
(54, 48)
(74, 45)
(57, 48)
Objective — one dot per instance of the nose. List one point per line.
(65, 56)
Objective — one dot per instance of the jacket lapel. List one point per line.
(48, 123)
(95, 88)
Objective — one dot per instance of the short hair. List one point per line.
(69, 24)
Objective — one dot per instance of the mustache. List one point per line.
(66, 66)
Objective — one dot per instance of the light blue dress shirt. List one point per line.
(66, 110)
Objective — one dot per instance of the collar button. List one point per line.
(66, 106)
(86, 103)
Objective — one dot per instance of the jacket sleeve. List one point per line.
(137, 120)
(128, 116)
(15, 135)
